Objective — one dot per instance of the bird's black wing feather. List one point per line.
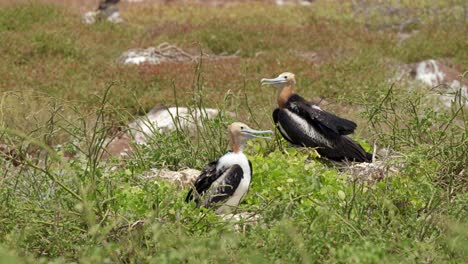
(346, 149)
(329, 123)
(204, 181)
(225, 187)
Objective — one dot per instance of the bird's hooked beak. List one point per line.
(252, 133)
(274, 81)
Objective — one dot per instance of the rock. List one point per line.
(162, 120)
(433, 73)
(115, 18)
(107, 10)
(181, 178)
(92, 16)
(437, 75)
(159, 120)
(89, 17)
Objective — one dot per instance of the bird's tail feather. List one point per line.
(346, 149)
(354, 151)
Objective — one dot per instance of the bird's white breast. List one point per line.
(229, 160)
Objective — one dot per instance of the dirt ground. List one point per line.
(86, 5)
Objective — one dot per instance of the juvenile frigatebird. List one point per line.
(305, 124)
(224, 183)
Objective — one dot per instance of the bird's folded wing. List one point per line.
(225, 186)
(328, 122)
(204, 181)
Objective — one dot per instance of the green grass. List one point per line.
(60, 84)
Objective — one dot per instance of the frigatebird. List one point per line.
(305, 124)
(224, 183)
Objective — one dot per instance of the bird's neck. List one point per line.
(236, 145)
(284, 94)
(236, 148)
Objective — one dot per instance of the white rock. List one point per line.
(163, 120)
(434, 73)
(115, 17)
(442, 80)
(429, 73)
(89, 17)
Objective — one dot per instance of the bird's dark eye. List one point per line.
(285, 77)
(242, 127)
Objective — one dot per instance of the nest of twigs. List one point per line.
(379, 169)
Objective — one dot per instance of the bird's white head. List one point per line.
(240, 133)
(284, 83)
(285, 79)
